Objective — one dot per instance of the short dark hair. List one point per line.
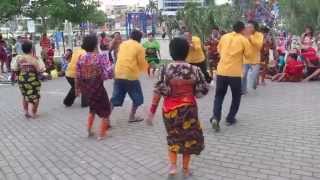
(265, 29)
(136, 35)
(70, 50)
(26, 47)
(179, 48)
(215, 27)
(89, 43)
(104, 47)
(103, 35)
(238, 27)
(150, 34)
(255, 25)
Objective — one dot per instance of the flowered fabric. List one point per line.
(28, 81)
(90, 83)
(180, 83)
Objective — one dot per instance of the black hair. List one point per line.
(116, 33)
(294, 56)
(179, 48)
(70, 50)
(136, 35)
(104, 47)
(26, 47)
(103, 35)
(255, 25)
(0, 36)
(89, 43)
(311, 30)
(151, 34)
(265, 29)
(215, 27)
(238, 27)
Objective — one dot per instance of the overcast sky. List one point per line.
(142, 2)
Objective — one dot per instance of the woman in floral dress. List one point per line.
(92, 70)
(180, 83)
(28, 67)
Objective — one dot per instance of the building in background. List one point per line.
(170, 7)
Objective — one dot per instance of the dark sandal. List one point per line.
(136, 119)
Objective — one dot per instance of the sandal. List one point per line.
(173, 170)
(187, 173)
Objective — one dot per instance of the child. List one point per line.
(65, 61)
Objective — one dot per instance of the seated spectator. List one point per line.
(293, 70)
(309, 54)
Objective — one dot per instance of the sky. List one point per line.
(142, 2)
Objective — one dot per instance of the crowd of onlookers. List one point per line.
(284, 57)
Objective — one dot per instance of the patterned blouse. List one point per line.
(174, 77)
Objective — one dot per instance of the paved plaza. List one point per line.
(277, 138)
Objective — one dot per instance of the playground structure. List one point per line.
(140, 21)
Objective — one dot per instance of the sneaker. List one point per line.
(215, 124)
(231, 122)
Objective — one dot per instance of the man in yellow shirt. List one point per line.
(233, 47)
(256, 40)
(196, 55)
(70, 76)
(130, 64)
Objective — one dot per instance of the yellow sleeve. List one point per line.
(257, 40)
(197, 44)
(142, 63)
(248, 51)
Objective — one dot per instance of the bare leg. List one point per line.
(90, 124)
(186, 164)
(25, 108)
(103, 128)
(281, 78)
(313, 75)
(276, 77)
(173, 163)
(35, 106)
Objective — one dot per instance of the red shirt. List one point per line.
(310, 54)
(294, 67)
(45, 43)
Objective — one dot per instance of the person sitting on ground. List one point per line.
(309, 54)
(293, 70)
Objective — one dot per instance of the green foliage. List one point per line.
(298, 14)
(200, 20)
(10, 8)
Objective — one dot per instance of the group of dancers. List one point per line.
(179, 82)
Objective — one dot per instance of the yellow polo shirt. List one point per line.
(72, 66)
(233, 47)
(196, 54)
(131, 61)
(256, 41)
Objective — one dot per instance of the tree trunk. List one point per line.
(44, 25)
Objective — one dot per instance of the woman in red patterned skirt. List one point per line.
(91, 73)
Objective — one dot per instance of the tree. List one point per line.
(10, 8)
(298, 14)
(171, 24)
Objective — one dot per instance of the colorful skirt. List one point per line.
(184, 130)
(29, 85)
(97, 97)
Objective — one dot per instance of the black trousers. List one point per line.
(223, 82)
(204, 70)
(71, 96)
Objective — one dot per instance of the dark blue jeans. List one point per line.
(223, 82)
(122, 87)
